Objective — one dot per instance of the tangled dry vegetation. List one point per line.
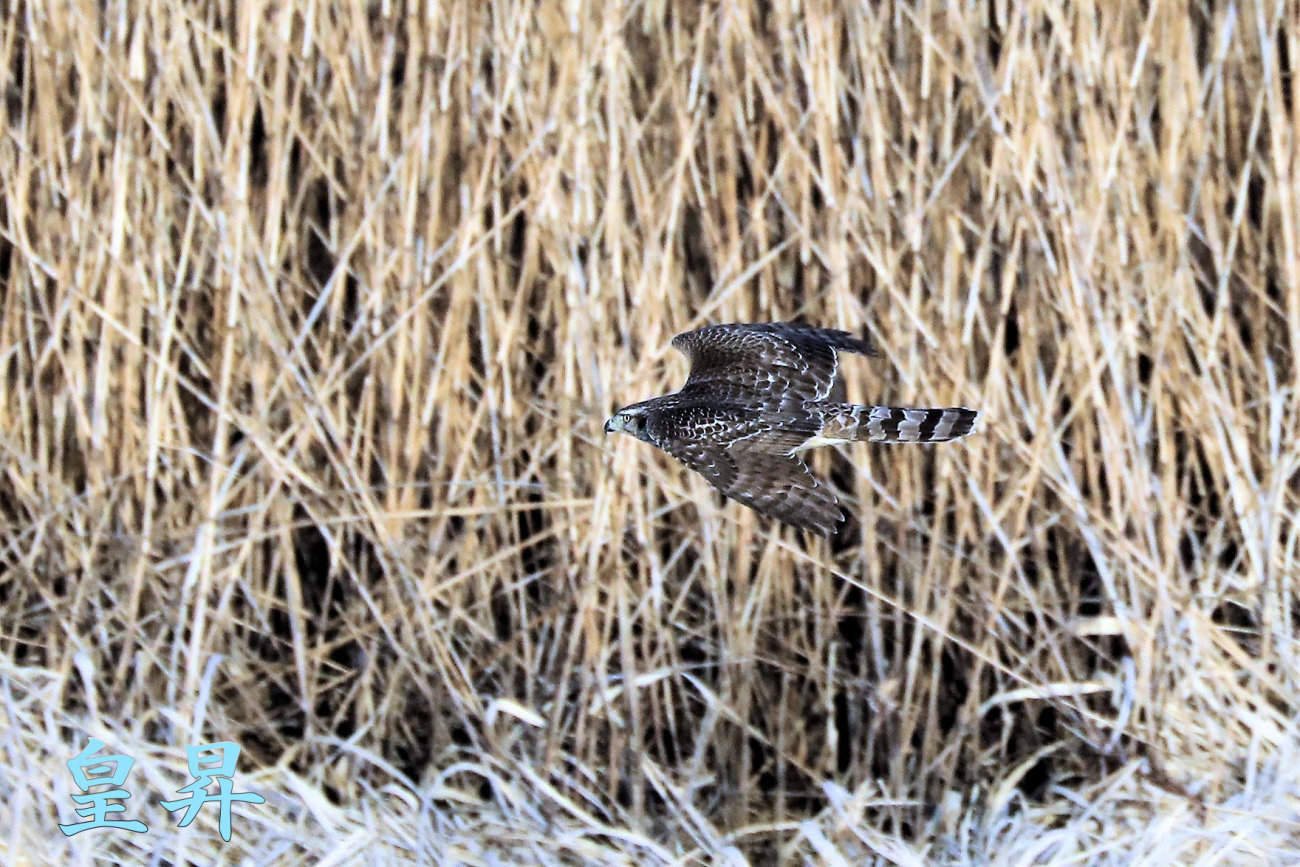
(310, 318)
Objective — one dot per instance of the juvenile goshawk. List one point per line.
(758, 395)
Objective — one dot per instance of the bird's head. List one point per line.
(629, 420)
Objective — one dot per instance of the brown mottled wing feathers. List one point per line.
(785, 360)
(711, 461)
(781, 486)
(757, 471)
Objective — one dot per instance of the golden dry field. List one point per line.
(311, 316)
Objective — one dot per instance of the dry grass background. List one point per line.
(310, 317)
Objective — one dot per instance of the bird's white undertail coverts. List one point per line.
(760, 394)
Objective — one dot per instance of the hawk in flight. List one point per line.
(757, 396)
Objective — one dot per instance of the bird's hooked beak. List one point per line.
(624, 421)
(627, 420)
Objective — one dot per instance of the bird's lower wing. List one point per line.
(773, 483)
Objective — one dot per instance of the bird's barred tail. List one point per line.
(896, 424)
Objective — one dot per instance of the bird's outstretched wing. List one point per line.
(772, 482)
(797, 362)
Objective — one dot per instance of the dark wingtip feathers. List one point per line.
(819, 524)
(834, 337)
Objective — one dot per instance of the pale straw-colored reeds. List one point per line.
(310, 317)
